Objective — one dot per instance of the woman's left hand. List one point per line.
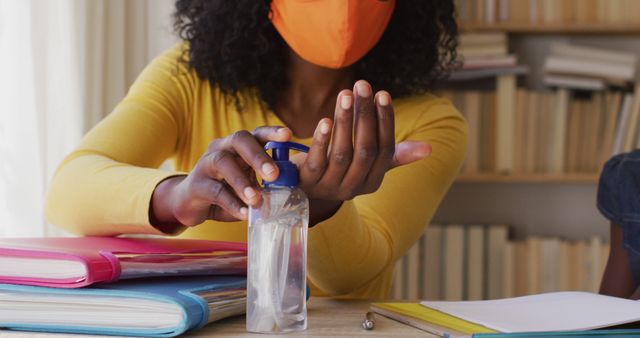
(354, 161)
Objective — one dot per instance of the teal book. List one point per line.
(158, 307)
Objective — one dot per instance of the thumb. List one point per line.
(410, 151)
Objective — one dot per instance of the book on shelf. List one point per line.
(431, 263)
(476, 262)
(581, 64)
(607, 56)
(485, 55)
(622, 125)
(496, 242)
(413, 277)
(453, 258)
(483, 39)
(558, 124)
(574, 82)
(582, 12)
(520, 271)
(550, 264)
(489, 62)
(613, 73)
(505, 107)
(631, 139)
(399, 287)
(508, 277)
(157, 307)
(72, 262)
(484, 73)
(555, 313)
(483, 45)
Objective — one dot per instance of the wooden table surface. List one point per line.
(327, 318)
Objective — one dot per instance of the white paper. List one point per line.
(20, 307)
(28, 267)
(556, 311)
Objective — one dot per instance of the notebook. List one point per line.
(568, 334)
(160, 307)
(81, 261)
(549, 312)
(428, 320)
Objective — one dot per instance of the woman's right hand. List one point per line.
(221, 184)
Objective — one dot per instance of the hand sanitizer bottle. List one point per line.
(277, 244)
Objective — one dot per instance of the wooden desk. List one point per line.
(327, 318)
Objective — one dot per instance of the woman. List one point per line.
(280, 69)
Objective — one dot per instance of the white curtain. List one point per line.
(64, 64)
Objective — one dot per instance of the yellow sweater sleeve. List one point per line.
(105, 185)
(367, 235)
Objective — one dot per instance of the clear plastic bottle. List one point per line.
(277, 257)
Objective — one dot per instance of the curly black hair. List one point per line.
(233, 44)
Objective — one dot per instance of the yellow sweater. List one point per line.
(104, 187)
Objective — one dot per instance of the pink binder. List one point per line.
(102, 256)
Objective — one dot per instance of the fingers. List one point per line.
(220, 195)
(224, 165)
(365, 149)
(219, 214)
(341, 151)
(212, 195)
(247, 146)
(386, 139)
(316, 160)
(272, 133)
(228, 169)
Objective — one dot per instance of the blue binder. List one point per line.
(180, 291)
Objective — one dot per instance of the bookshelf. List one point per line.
(538, 204)
(554, 28)
(542, 182)
(528, 178)
(530, 28)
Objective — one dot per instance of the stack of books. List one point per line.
(588, 68)
(485, 55)
(521, 12)
(476, 262)
(119, 286)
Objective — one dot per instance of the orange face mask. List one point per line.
(331, 33)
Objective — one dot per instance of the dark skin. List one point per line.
(617, 280)
(353, 147)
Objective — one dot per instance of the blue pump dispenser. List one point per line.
(288, 171)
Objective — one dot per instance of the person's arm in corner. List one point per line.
(369, 233)
(617, 280)
(105, 185)
(616, 200)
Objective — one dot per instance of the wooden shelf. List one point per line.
(528, 178)
(553, 28)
